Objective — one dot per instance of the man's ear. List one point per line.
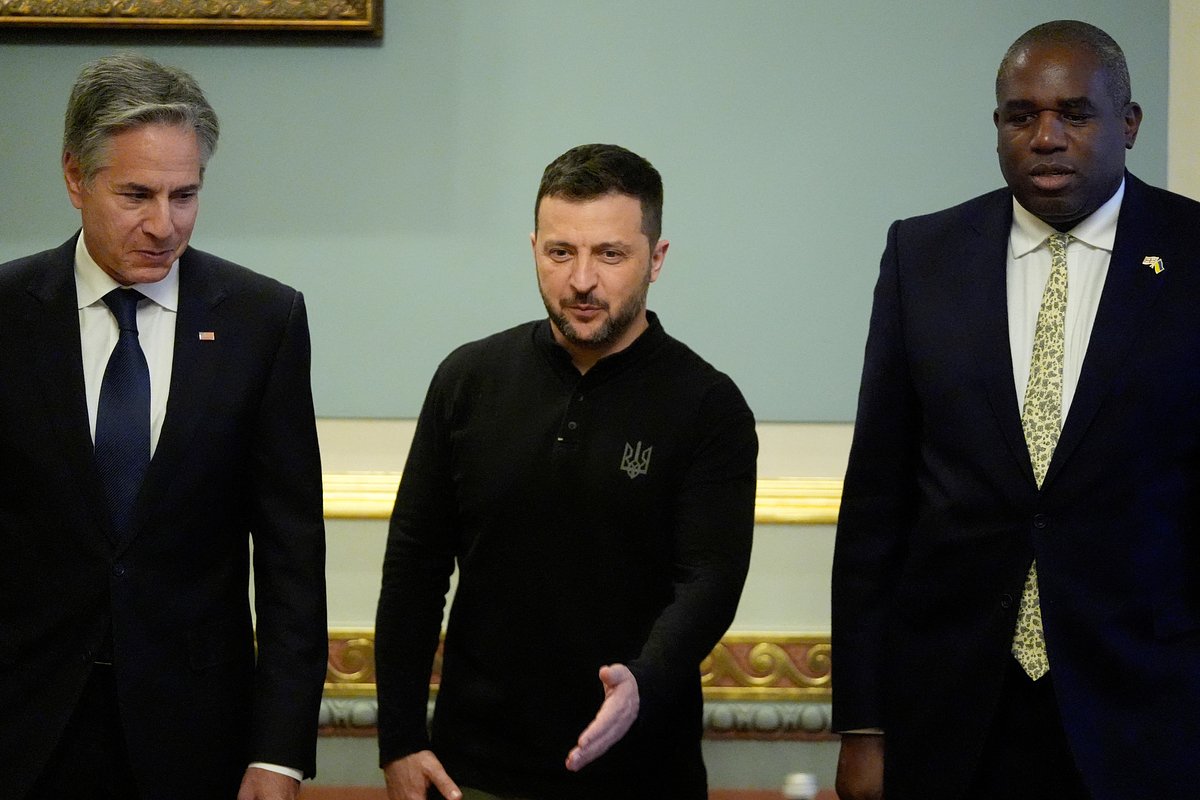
(657, 255)
(73, 175)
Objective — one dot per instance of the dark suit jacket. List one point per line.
(941, 515)
(237, 457)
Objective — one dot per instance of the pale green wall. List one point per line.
(393, 181)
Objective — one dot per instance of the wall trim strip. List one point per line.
(746, 667)
(778, 501)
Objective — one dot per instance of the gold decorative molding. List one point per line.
(350, 671)
(744, 667)
(778, 501)
(362, 16)
(768, 666)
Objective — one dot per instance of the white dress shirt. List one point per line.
(1088, 255)
(98, 334)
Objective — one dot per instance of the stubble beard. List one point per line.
(613, 327)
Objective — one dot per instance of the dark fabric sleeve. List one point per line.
(416, 576)
(289, 558)
(878, 502)
(713, 531)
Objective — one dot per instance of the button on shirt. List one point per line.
(1088, 254)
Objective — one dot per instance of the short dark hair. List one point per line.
(592, 170)
(1074, 32)
(124, 91)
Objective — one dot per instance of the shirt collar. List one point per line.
(92, 283)
(1098, 230)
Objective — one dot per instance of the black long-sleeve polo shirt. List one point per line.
(595, 519)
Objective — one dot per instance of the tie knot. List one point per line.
(123, 303)
(1058, 243)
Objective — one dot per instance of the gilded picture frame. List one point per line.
(334, 16)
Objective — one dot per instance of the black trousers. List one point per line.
(90, 761)
(1027, 755)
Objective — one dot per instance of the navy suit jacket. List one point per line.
(941, 515)
(237, 457)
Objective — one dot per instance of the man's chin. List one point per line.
(1053, 210)
(594, 340)
(130, 274)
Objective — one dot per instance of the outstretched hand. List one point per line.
(617, 714)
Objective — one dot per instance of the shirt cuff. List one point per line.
(291, 773)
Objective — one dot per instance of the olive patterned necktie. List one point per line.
(1041, 419)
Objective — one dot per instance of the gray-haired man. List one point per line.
(155, 413)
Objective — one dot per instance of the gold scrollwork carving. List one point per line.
(762, 667)
(767, 666)
(351, 667)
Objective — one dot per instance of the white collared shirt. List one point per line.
(98, 333)
(1028, 269)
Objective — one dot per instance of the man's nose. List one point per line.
(583, 274)
(1048, 133)
(157, 220)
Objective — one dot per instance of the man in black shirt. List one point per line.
(594, 480)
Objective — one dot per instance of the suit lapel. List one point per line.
(193, 372)
(1130, 290)
(53, 325)
(988, 252)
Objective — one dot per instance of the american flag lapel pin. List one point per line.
(1155, 263)
(208, 336)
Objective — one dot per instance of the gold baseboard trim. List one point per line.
(778, 501)
(768, 667)
(743, 667)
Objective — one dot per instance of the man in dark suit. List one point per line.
(155, 413)
(1016, 599)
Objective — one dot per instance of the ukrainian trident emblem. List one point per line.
(636, 461)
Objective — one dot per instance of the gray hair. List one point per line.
(124, 91)
(1076, 33)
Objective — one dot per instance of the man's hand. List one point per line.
(263, 784)
(409, 778)
(860, 767)
(616, 715)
